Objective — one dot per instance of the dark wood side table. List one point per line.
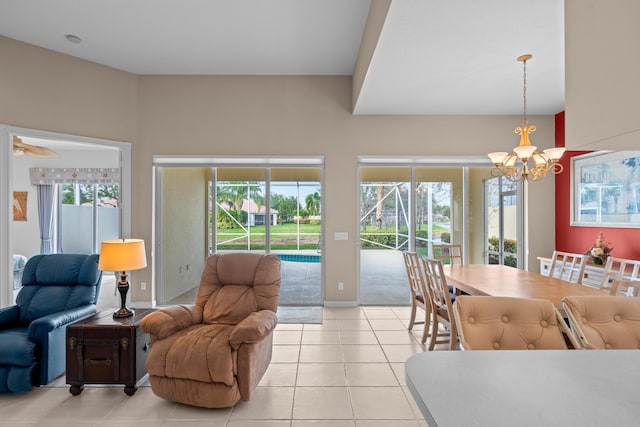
(104, 350)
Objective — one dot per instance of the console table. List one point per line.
(104, 350)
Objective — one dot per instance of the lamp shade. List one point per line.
(122, 255)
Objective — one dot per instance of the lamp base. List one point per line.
(123, 312)
(123, 287)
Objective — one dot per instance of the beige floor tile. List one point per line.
(172, 423)
(287, 337)
(142, 405)
(33, 405)
(403, 313)
(267, 403)
(363, 353)
(381, 403)
(93, 404)
(280, 375)
(285, 354)
(370, 374)
(387, 423)
(398, 370)
(387, 325)
(254, 423)
(379, 313)
(400, 352)
(344, 313)
(326, 325)
(184, 413)
(322, 403)
(321, 374)
(320, 337)
(353, 325)
(412, 402)
(396, 337)
(323, 423)
(321, 354)
(289, 327)
(357, 337)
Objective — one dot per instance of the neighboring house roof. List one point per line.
(250, 206)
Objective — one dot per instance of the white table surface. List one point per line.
(526, 388)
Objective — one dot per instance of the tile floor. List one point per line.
(346, 372)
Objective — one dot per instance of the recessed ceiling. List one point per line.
(432, 57)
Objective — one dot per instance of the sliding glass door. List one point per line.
(216, 209)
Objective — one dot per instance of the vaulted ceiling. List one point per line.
(430, 57)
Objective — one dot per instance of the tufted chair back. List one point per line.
(504, 323)
(57, 282)
(605, 322)
(236, 284)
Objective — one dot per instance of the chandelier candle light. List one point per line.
(515, 166)
(122, 255)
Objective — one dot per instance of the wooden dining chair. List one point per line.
(619, 268)
(627, 288)
(441, 304)
(604, 322)
(418, 289)
(506, 323)
(448, 254)
(568, 266)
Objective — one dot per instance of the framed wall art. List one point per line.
(19, 205)
(606, 189)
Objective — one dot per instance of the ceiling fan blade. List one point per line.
(20, 148)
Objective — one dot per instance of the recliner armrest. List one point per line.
(169, 320)
(253, 328)
(9, 317)
(39, 328)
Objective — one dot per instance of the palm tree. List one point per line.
(313, 203)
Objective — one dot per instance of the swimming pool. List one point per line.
(299, 257)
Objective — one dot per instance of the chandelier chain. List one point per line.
(524, 89)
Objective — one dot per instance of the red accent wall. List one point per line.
(625, 241)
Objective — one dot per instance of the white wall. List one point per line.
(602, 68)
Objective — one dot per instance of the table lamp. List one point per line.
(122, 255)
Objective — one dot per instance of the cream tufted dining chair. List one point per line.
(604, 322)
(505, 323)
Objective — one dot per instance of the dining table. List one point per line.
(504, 281)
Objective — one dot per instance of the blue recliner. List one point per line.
(57, 289)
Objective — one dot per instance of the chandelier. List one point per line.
(526, 163)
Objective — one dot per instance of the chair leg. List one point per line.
(412, 319)
(426, 333)
(434, 333)
(453, 339)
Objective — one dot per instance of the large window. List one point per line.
(87, 215)
(502, 222)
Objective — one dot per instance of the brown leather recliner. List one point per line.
(214, 353)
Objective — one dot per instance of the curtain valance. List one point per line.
(50, 176)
